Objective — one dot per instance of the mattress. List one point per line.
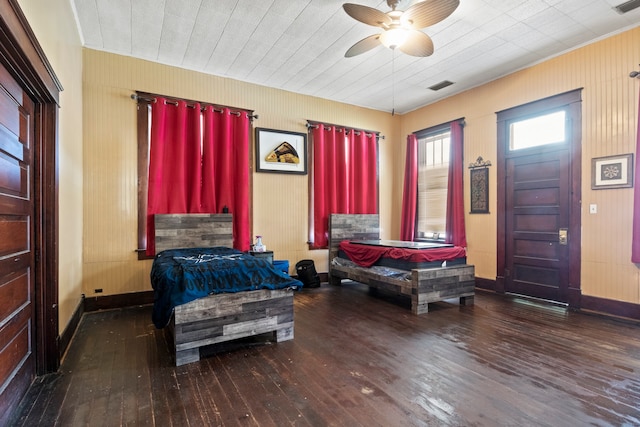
(400, 254)
(179, 276)
(402, 244)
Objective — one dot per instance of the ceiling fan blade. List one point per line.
(367, 15)
(417, 44)
(427, 13)
(363, 46)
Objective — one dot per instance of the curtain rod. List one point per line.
(313, 124)
(140, 96)
(435, 128)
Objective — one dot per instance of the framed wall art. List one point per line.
(479, 190)
(479, 177)
(612, 172)
(281, 151)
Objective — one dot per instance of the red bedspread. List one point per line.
(367, 255)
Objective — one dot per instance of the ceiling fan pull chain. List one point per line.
(393, 82)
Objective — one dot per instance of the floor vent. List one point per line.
(627, 6)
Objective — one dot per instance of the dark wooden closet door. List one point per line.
(17, 258)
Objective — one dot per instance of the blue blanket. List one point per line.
(179, 276)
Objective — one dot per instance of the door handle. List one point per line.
(563, 236)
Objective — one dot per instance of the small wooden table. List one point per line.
(268, 255)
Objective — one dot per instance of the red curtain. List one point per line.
(455, 228)
(209, 157)
(410, 192)
(193, 159)
(185, 177)
(363, 168)
(322, 182)
(170, 172)
(635, 245)
(340, 190)
(344, 176)
(225, 160)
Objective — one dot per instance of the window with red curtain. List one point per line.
(433, 198)
(192, 158)
(344, 175)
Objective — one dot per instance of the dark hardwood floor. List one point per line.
(356, 360)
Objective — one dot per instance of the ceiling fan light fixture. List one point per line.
(400, 29)
(394, 37)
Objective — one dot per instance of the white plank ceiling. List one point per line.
(299, 45)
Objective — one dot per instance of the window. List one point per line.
(536, 131)
(186, 164)
(433, 175)
(344, 176)
(432, 205)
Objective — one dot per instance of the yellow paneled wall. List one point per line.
(53, 24)
(280, 201)
(609, 123)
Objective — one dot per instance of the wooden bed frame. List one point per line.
(221, 317)
(426, 284)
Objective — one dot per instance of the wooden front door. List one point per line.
(539, 197)
(17, 259)
(537, 213)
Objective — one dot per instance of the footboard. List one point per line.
(425, 286)
(225, 317)
(438, 284)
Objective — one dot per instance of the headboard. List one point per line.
(193, 230)
(351, 227)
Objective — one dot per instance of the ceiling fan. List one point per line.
(400, 29)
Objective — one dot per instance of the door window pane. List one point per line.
(536, 131)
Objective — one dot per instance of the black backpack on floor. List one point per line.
(306, 271)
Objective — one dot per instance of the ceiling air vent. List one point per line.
(627, 6)
(441, 85)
